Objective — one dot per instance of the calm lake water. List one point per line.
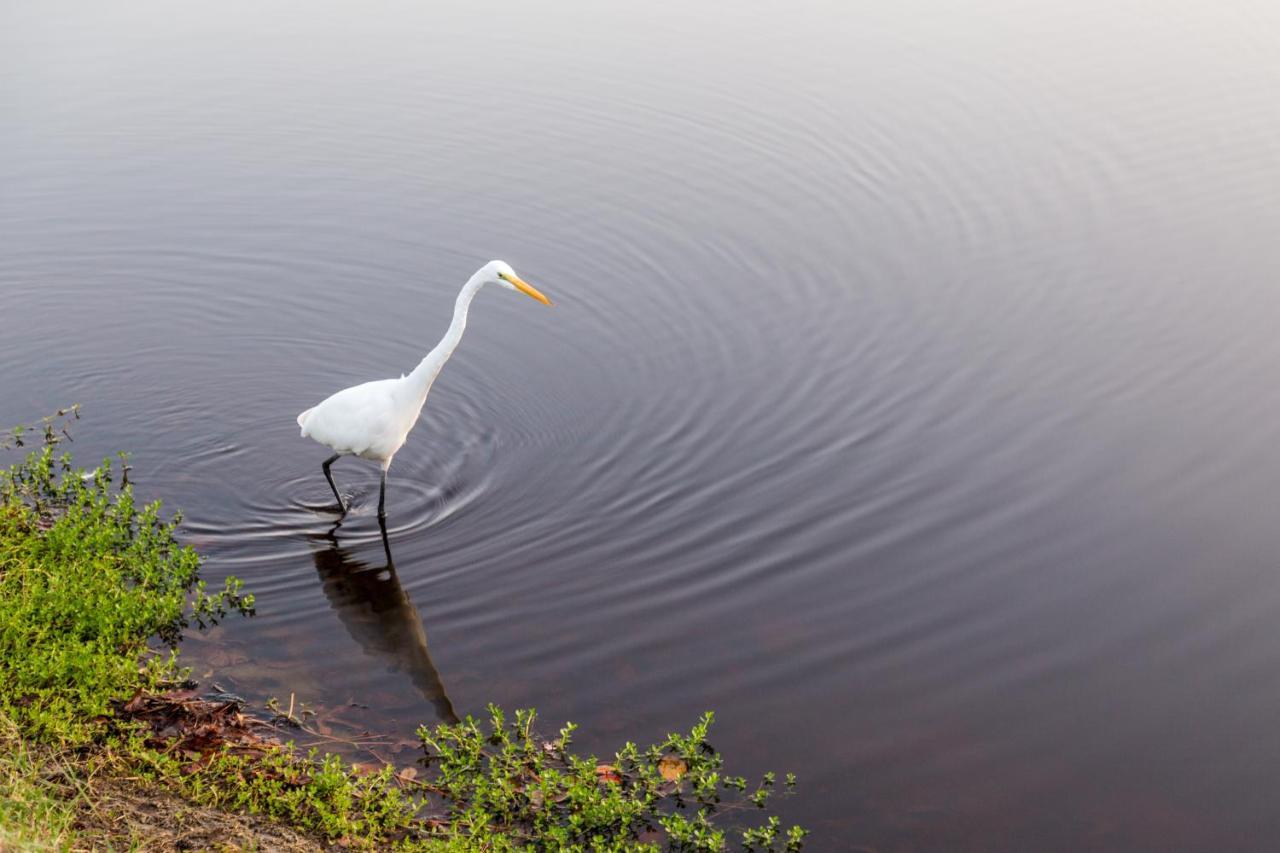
(910, 397)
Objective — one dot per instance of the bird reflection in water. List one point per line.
(377, 613)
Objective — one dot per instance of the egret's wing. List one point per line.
(353, 420)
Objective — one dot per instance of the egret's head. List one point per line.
(502, 273)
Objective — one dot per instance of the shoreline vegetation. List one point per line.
(106, 743)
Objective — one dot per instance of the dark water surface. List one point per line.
(910, 397)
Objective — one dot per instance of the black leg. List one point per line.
(386, 544)
(334, 458)
(382, 496)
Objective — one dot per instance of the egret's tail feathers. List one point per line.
(302, 420)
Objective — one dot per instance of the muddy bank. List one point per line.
(123, 813)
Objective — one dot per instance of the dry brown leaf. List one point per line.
(672, 768)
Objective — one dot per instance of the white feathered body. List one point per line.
(371, 420)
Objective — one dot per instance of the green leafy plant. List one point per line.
(87, 577)
(502, 787)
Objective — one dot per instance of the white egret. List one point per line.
(372, 420)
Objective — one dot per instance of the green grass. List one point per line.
(95, 592)
(33, 814)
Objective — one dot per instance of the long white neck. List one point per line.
(429, 368)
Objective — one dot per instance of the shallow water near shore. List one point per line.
(909, 397)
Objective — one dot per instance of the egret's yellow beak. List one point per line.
(527, 289)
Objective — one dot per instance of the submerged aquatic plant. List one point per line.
(53, 429)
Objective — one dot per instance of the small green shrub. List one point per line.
(86, 578)
(504, 787)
